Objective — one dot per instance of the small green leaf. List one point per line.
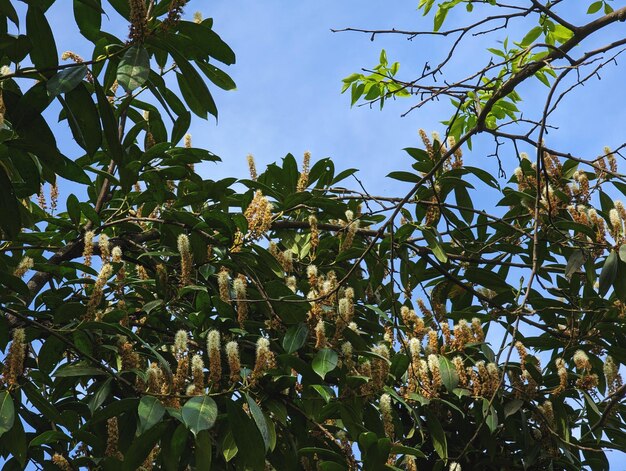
(325, 361)
(150, 412)
(199, 413)
(295, 337)
(7, 412)
(594, 7)
(73, 208)
(433, 241)
(490, 415)
(532, 36)
(440, 17)
(134, 68)
(512, 407)
(574, 263)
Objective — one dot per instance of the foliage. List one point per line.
(172, 321)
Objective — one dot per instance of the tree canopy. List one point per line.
(154, 318)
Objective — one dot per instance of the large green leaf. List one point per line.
(193, 87)
(7, 412)
(324, 361)
(8, 205)
(437, 435)
(66, 371)
(44, 53)
(141, 447)
(109, 125)
(199, 413)
(150, 412)
(88, 16)
(134, 68)
(247, 437)
(83, 118)
(449, 376)
(66, 80)
(608, 273)
(204, 452)
(259, 420)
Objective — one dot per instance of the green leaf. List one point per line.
(608, 273)
(73, 208)
(50, 436)
(217, 76)
(8, 205)
(66, 80)
(204, 453)
(7, 412)
(574, 263)
(449, 376)
(100, 396)
(437, 435)
(259, 420)
(88, 16)
(512, 407)
(67, 371)
(247, 437)
(622, 253)
(199, 413)
(531, 36)
(324, 361)
(82, 116)
(134, 68)
(44, 53)
(150, 412)
(440, 17)
(490, 415)
(407, 450)
(295, 337)
(434, 243)
(193, 87)
(141, 447)
(109, 125)
(595, 7)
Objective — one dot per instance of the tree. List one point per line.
(173, 321)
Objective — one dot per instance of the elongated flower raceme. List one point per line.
(14, 361)
(239, 286)
(215, 356)
(265, 359)
(105, 248)
(385, 412)
(234, 362)
(186, 260)
(258, 215)
(197, 373)
(223, 285)
(98, 290)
